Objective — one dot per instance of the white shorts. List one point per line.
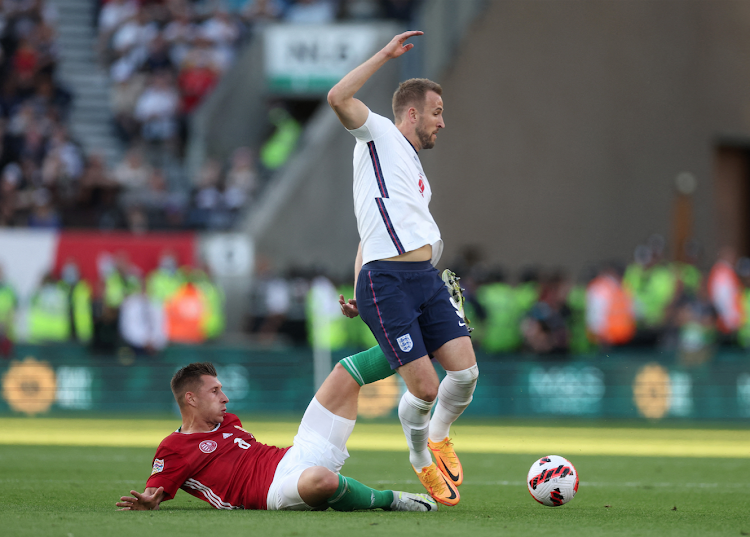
(320, 441)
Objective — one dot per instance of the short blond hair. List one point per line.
(413, 92)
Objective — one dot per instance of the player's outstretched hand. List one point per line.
(146, 501)
(348, 307)
(397, 47)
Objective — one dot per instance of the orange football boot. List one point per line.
(439, 486)
(447, 460)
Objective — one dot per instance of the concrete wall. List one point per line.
(568, 121)
(567, 124)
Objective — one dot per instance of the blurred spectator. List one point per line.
(609, 309)
(271, 302)
(212, 206)
(282, 143)
(133, 172)
(260, 12)
(696, 321)
(112, 15)
(166, 279)
(498, 323)
(180, 34)
(48, 316)
(545, 327)
(120, 279)
(156, 110)
(326, 327)
(725, 292)
(213, 325)
(8, 306)
(157, 58)
(186, 313)
(96, 203)
(141, 323)
(654, 287)
(126, 90)
(197, 78)
(133, 37)
(79, 301)
(43, 213)
(241, 179)
(221, 34)
(311, 12)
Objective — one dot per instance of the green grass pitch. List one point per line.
(70, 490)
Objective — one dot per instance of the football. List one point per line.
(552, 481)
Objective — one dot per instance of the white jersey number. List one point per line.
(240, 442)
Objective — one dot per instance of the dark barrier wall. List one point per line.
(52, 380)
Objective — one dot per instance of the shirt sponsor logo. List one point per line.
(208, 446)
(158, 466)
(405, 343)
(226, 435)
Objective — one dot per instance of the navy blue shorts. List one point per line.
(408, 309)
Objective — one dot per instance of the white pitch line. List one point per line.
(586, 484)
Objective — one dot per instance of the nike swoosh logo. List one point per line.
(453, 477)
(453, 492)
(461, 324)
(427, 505)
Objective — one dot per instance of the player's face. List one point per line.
(430, 120)
(212, 402)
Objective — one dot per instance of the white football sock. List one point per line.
(454, 395)
(414, 414)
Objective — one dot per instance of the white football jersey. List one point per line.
(391, 193)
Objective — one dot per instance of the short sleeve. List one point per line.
(168, 471)
(375, 126)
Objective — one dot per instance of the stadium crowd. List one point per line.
(649, 303)
(123, 311)
(163, 58)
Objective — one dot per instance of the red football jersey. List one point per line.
(226, 467)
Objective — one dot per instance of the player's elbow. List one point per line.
(334, 98)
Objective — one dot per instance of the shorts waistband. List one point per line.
(398, 266)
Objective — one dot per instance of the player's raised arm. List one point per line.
(352, 112)
(148, 501)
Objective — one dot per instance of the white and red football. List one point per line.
(552, 481)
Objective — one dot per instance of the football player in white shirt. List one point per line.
(399, 293)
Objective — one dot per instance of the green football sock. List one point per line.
(368, 366)
(353, 495)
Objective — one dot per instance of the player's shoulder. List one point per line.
(230, 420)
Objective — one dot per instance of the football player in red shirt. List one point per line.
(213, 458)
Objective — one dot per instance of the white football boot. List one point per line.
(406, 501)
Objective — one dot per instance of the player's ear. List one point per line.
(413, 114)
(190, 398)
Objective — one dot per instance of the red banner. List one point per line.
(92, 250)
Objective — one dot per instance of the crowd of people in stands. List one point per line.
(163, 58)
(649, 303)
(123, 311)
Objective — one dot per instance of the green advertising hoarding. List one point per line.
(55, 379)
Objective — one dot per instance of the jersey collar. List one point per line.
(408, 142)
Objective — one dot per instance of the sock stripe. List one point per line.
(353, 371)
(344, 486)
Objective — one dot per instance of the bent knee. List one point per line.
(425, 392)
(466, 376)
(320, 481)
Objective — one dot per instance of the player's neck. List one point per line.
(410, 135)
(195, 424)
